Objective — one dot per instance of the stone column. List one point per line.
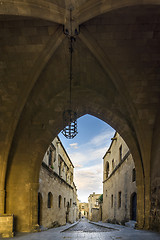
(22, 201)
(34, 206)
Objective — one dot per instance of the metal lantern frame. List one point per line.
(70, 131)
(70, 116)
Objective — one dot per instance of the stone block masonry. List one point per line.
(6, 225)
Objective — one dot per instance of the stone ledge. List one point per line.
(72, 225)
(7, 235)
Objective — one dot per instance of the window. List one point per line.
(60, 168)
(107, 169)
(59, 201)
(50, 199)
(70, 202)
(82, 207)
(67, 174)
(120, 153)
(97, 202)
(112, 201)
(50, 157)
(71, 178)
(54, 155)
(106, 193)
(112, 164)
(133, 175)
(119, 199)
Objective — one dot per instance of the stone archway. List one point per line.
(116, 78)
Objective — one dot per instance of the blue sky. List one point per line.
(86, 152)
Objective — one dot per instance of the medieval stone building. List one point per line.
(94, 207)
(83, 209)
(119, 183)
(57, 197)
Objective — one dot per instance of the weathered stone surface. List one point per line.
(94, 207)
(6, 226)
(118, 179)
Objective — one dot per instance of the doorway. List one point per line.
(134, 206)
(39, 209)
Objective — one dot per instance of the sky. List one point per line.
(86, 152)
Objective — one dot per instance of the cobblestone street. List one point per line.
(85, 230)
(85, 226)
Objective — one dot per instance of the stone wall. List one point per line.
(96, 214)
(155, 205)
(93, 204)
(155, 181)
(57, 191)
(118, 185)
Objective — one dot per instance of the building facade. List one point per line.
(119, 183)
(83, 209)
(94, 207)
(57, 196)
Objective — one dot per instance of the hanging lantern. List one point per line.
(69, 116)
(70, 124)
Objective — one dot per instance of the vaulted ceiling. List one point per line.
(115, 70)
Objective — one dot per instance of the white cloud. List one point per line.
(103, 137)
(87, 156)
(78, 158)
(88, 180)
(78, 166)
(74, 145)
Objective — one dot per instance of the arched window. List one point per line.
(50, 199)
(59, 201)
(107, 169)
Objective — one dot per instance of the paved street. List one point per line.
(85, 230)
(84, 226)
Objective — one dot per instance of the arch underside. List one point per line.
(115, 78)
